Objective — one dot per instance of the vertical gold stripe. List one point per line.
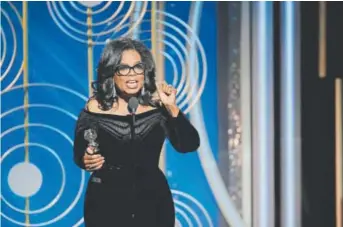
(153, 28)
(339, 150)
(160, 44)
(132, 20)
(90, 51)
(160, 71)
(26, 100)
(322, 39)
(159, 68)
(190, 36)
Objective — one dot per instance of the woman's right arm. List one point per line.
(80, 144)
(81, 158)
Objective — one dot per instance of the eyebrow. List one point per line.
(138, 62)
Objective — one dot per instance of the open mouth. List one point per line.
(132, 84)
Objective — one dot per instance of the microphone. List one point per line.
(132, 107)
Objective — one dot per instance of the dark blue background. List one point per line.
(57, 59)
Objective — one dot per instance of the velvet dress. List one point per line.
(130, 190)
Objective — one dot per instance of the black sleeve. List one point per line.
(181, 133)
(80, 144)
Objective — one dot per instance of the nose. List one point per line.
(131, 73)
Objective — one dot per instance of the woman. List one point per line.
(126, 187)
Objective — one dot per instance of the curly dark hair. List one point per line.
(105, 90)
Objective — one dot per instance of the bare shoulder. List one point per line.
(146, 109)
(93, 105)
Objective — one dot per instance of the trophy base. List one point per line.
(95, 151)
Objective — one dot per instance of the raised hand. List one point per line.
(167, 95)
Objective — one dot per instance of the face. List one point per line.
(129, 76)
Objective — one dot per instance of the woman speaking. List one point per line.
(119, 136)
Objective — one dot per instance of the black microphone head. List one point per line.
(133, 104)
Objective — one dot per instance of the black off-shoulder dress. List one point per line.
(130, 189)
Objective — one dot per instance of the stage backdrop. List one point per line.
(49, 53)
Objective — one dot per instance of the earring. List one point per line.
(143, 91)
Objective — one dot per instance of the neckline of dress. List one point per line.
(121, 116)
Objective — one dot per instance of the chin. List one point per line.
(132, 91)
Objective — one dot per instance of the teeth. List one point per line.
(132, 84)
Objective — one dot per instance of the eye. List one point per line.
(123, 69)
(139, 68)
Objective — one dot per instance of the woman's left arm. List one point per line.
(180, 132)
